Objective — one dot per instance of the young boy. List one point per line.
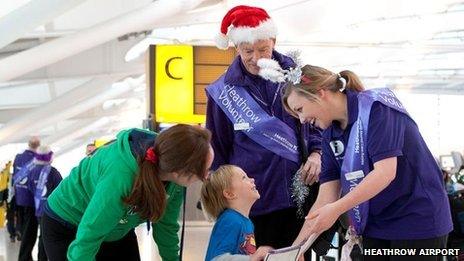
(227, 196)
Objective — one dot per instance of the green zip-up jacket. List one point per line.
(91, 198)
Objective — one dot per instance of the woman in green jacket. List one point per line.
(138, 177)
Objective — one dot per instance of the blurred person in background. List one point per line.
(90, 148)
(20, 195)
(42, 180)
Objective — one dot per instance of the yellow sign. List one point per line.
(174, 92)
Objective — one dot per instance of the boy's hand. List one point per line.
(323, 218)
(260, 253)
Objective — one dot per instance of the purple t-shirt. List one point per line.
(414, 205)
(272, 173)
(22, 194)
(53, 179)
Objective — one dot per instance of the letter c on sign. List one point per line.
(166, 68)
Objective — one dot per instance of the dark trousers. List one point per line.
(11, 218)
(278, 229)
(374, 243)
(29, 235)
(42, 256)
(57, 237)
(15, 218)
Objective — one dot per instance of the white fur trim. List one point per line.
(272, 75)
(265, 30)
(270, 70)
(268, 63)
(222, 41)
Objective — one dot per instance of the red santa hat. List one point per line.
(245, 24)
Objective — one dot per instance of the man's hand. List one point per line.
(311, 169)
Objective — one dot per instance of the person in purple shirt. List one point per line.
(39, 165)
(395, 196)
(51, 176)
(20, 195)
(274, 215)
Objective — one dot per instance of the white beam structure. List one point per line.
(63, 133)
(9, 114)
(57, 152)
(74, 134)
(53, 51)
(68, 105)
(76, 143)
(31, 15)
(107, 58)
(86, 126)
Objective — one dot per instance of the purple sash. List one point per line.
(23, 172)
(246, 115)
(39, 195)
(356, 161)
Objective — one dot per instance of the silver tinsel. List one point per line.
(294, 75)
(271, 70)
(300, 192)
(296, 57)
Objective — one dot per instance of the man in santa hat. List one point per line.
(251, 129)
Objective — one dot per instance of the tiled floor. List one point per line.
(195, 243)
(8, 251)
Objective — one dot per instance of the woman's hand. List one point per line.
(323, 218)
(260, 253)
(311, 169)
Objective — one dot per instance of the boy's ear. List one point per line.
(228, 194)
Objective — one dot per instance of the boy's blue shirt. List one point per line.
(233, 233)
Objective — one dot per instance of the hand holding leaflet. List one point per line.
(291, 253)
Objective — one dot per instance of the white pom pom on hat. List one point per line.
(222, 41)
(245, 24)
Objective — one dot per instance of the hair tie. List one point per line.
(343, 82)
(151, 156)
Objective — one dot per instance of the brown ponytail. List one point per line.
(352, 81)
(182, 149)
(317, 78)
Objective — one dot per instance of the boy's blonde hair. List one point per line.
(212, 197)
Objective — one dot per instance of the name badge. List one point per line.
(354, 175)
(241, 126)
